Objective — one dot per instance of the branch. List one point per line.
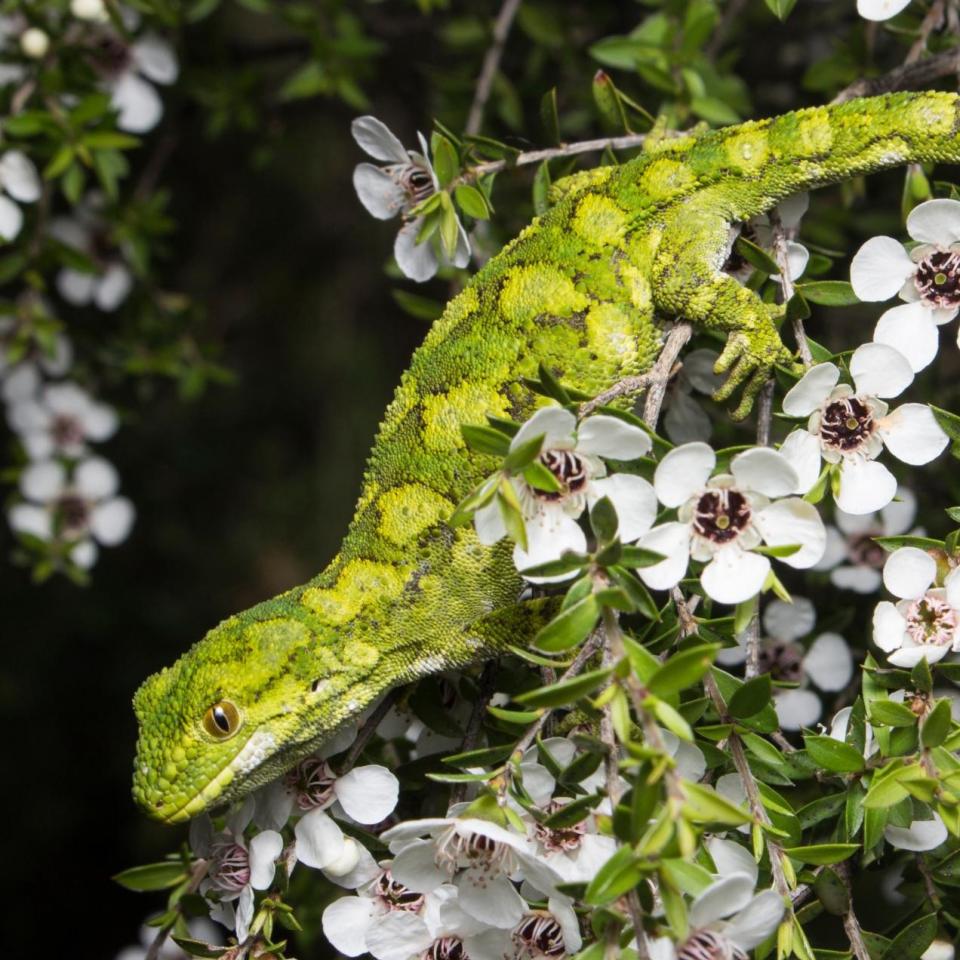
(491, 62)
(779, 235)
(674, 343)
(906, 77)
(368, 729)
(851, 924)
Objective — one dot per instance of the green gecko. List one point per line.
(580, 290)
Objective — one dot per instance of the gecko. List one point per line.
(584, 290)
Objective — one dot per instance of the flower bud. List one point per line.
(93, 10)
(35, 43)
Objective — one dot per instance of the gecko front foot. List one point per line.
(748, 358)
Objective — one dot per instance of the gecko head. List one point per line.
(255, 696)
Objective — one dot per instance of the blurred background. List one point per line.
(246, 489)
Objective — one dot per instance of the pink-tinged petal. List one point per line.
(879, 268)
(908, 572)
(828, 662)
(554, 424)
(345, 923)
(11, 219)
(43, 481)
(110, 522)
(487, 944)
(673, 541)
(155, 58)
(376, 139)
(417, 261)
(96, 478)
(909, 328)
(764, 470)
(801, 450)
(811, 390)
(19, 177)
(889, 627)
(920, 836)
(30, 519)
(683, 472)
(865, 486)
(789, 521)
(114, 287)
(752, 925)
(494, 901)
(797, 708)
(899, 515)
(858, 579)
(398, 936)
(935, 221)
(611, 437)
(368, 794)
(789, 621)
(722, 898)
(879, 370)
(264, 848)
(380, 194)
(909, 657)
(911, 433)
(632, 497)
(319, 839)
(137, 101)
(734, 575)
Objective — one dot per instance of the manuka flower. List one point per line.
(61, 421)
(21, 379)
(850, 425)
(20, 181)
(395, 189)
(881, 9)
(927, 277)
(924, 624)
(723, 519)
(79, 510)
(759, 230)
(573, 454)
(852, 557)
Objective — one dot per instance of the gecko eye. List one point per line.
(222, 720)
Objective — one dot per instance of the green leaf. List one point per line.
(639, 595)
(196, 948)
(714, 110)
(551, 385)
(705, 805)
(521, 718)
(742, 615)
(417, 306)
(536, 475)
(911, 942)
(310, 80)
(483, 757)
(152, 876)
(833, 755)
(751, 698)
(485, 439)
(780, 8)
(570, 628)
(471, 201)
(891, 714)
(110, 140)
(603, 520)
(921, 543)
(606, 97)
(541, 189)
(921, 677)
(832, 892)
(937, 725)
(549, 116)
(572, 813)
(446, 163)
(683, 670)
(828, 293)
(780, 551)
(618, 875)
(822, 853)
(565, 691)
(755, 256)
(510, 513)
(950, 423)
(523, 454)
(568, 563)
(637, 557)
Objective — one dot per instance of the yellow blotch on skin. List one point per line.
(748, 150)
(599, 220)
(539, 289)
(405, 512)
(933, 113)
(360, 583)
(638, 285)
(610, 332)
(359, 654)
(814, 134)
(665, 178)
(467, 403)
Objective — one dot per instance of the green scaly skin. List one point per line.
(578, 290)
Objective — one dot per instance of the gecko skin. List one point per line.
(579, 290)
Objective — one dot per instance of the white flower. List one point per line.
(61, 421)
(927, 277)
(21, 380)
(881, 10)
(18, 179)
(939, 950)
(236, 867)
(920, 836)
(852, 557)
(850, 426)
(480, 858)
(395, 189)
(826, 663)
(34, 43)
(684, 418)
(924, 624)
(724, 518)
(573, 455)
(94, 11)
(130, 70)
(87, 232)
(759, 230)
(77, 511)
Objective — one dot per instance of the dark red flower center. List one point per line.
(721, 515)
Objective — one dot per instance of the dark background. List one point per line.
(248, 490)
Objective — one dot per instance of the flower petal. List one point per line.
(789, 621)
(110, 522)
(137, 101)
(494, 900)
(30, 519)
(673, 541)
(345, 923)
(264, 848)
(898, 516)
(911, 433)
(921, 835)
(764, 470)
(909, 657)
(865, 486)
(376, 139)
(698, 368)
(113, 288)
(418, 261)
(797, 708)
(722, 898)
(935, 221)
(790, 521)
(488, 521)
(75, 287)
(43, 481)
(858, 579)
(828, 662)
(683, 472)
(415, 866)
(879, 269)
(11, 219)
(611, 437)
(368, 794)
(879, 370)
(729, 857)
(379, 193)
(398, 936)
(801, 450)
(549, 534)
(555, 424)
(889, 626)
(633, 498)
(910, 329)
(319, 839)
(96, 478)
(734, 575)
(908, 572)
(19, 176)
(811, 390)
(757, 921)
(155, 58)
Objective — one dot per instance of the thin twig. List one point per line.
(779, 236)
(627, 387)
(368, 729)
(731, 14)
(491, 63)
(851, 924)
(485, 690)
(905, 77)
(672, 346)
(932, 21)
